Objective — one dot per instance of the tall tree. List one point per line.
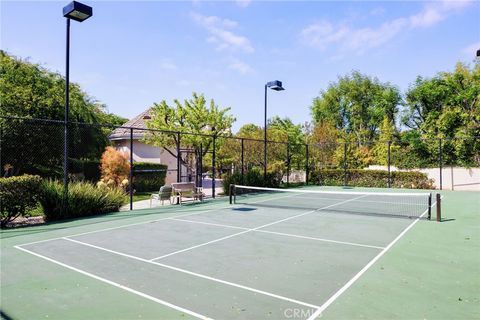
(31, 91)
(356, 104)
(448, 106)
(194, 116)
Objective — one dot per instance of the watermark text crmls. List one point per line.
(299, 313)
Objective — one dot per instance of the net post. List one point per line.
(213, 167)
(179, 155)
(243, 164)
(288, 164)
(345, 164)
(389, 160)
(131, 170)
(429, 206)
(439, 207)
(306, 164)
(230, 193)
(440, 161)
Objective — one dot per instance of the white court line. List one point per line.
(283, 234)
(364, 269)
(209, 224)
(321, 239)
(138, 293)
(120, 227)
(369, 201)
(253, 229)
(140, 223)
(371, 193)
(199, 275)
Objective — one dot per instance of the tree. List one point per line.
(193, 116)
(387, 134)
(357, 103)
(295, 138)
(31, 91)
(447, 106)
(323, 143)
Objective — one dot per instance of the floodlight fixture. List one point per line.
(275, 85)
(77, 11)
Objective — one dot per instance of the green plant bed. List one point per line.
(84, 199)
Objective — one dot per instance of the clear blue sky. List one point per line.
(131, 54)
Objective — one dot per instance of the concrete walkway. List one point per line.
(145, 204)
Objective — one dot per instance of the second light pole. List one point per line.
(79, 12)
(277, 86)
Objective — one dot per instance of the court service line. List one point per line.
(253, 229)
(284, 234)
(115, 284)
(364, 269)
(322, 239)
(199, 275)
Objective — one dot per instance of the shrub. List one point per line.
(84, 199)
(371, 178)
(90, 169)
(114, 167)
(148, 177)
(17, 195)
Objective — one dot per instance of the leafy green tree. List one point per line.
(295, 137)
(387, 134)
(357, 103)
(195, 116)
(447, 106)
(323, 141)
(31, 91)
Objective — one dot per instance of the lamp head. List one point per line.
(275, 85)
(77, 11)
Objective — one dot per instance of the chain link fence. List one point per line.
(36, 146)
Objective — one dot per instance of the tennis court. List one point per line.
(268, 255)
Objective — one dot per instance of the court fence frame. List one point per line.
(202, 158)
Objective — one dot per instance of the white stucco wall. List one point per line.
(453, 178)
(146, 153)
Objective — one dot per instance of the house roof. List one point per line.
(137, 123)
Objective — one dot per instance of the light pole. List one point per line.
(79, 12)
(277, 86)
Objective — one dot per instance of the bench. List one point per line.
(187, 189)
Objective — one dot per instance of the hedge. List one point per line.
(252, 177)
(149, 181)
(84, 199)
(17, 195)
(371, 178)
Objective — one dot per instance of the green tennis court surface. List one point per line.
(273, 257)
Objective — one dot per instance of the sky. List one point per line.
(131, 54)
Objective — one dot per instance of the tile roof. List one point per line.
(137, 122)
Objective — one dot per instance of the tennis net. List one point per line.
(411, 205)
